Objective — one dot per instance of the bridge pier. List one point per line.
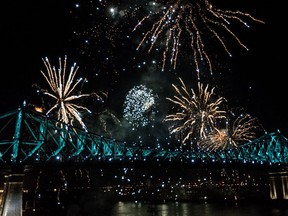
(12, 198)
(278, 185)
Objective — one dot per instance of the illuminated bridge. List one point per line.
(29, 137)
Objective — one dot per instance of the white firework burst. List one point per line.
(139, 106)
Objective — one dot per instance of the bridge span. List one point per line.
(31, 139)
(28, 137)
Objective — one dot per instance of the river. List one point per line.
(178, 209)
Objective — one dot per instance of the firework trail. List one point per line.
(185, 22)
(197, 112)
(241, 130)
(63, 86)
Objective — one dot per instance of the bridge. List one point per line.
(29, 137)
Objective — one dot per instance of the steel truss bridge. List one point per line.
(29, 137)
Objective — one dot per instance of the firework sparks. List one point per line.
(242, 130)
(99, 33)
(197, 112)
(63, 86)
(192, 19)
(138, 106)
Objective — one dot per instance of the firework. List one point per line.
(63, 85)
(139, 106)
(182, 20)
(197, 112)
(242, 130)
(106, 123)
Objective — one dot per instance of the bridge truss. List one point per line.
(29, 137)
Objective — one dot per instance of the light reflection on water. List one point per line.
(195, 209)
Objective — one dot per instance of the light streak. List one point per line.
(197, 112)
(242, 130)
(190, 23)
(63, 85)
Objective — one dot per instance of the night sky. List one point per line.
(103, 45)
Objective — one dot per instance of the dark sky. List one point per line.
(31, 30)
